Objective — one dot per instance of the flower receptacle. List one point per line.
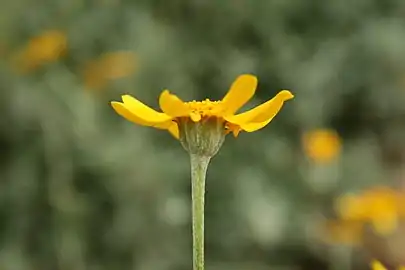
(203, 138)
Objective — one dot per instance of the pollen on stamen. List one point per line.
(205, 107)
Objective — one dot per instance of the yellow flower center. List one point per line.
(205, 107)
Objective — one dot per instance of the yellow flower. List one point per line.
(376, 265)
(45, 48)
(381, 206)
(321, 145)
(110, 66)
(176, 112)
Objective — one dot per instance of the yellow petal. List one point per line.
(261, 115)
(172, 105)
(233, 128)
(122, 110)
(376, 265)
(241, 91)
(174, 130)
(144, 112)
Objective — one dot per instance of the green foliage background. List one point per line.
(83, 189)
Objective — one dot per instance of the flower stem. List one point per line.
(199, 165)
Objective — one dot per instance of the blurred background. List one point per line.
(319, 188)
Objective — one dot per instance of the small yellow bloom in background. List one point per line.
(48, 47)
(109, 66)
(376, 265)
(379, 206)
(177, 112)
(321, 145)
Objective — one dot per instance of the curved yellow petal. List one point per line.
(376, 265)
(174, 130)
(235, 132)
(123, 110)
(261, 115)
(172, 105)
(144, 112)
(240, 92)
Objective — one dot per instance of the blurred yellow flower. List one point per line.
(380, 206)
(321, 145)
(376, 265)
(176, 111)
(45, 48)
(109, 66)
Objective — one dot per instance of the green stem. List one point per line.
(199, 165)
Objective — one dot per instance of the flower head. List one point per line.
(42, 49)
(380, 206)
(175, 112)
(376, 265)
(109, 66)
(321, 145)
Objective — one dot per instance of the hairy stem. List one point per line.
(199, 165)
